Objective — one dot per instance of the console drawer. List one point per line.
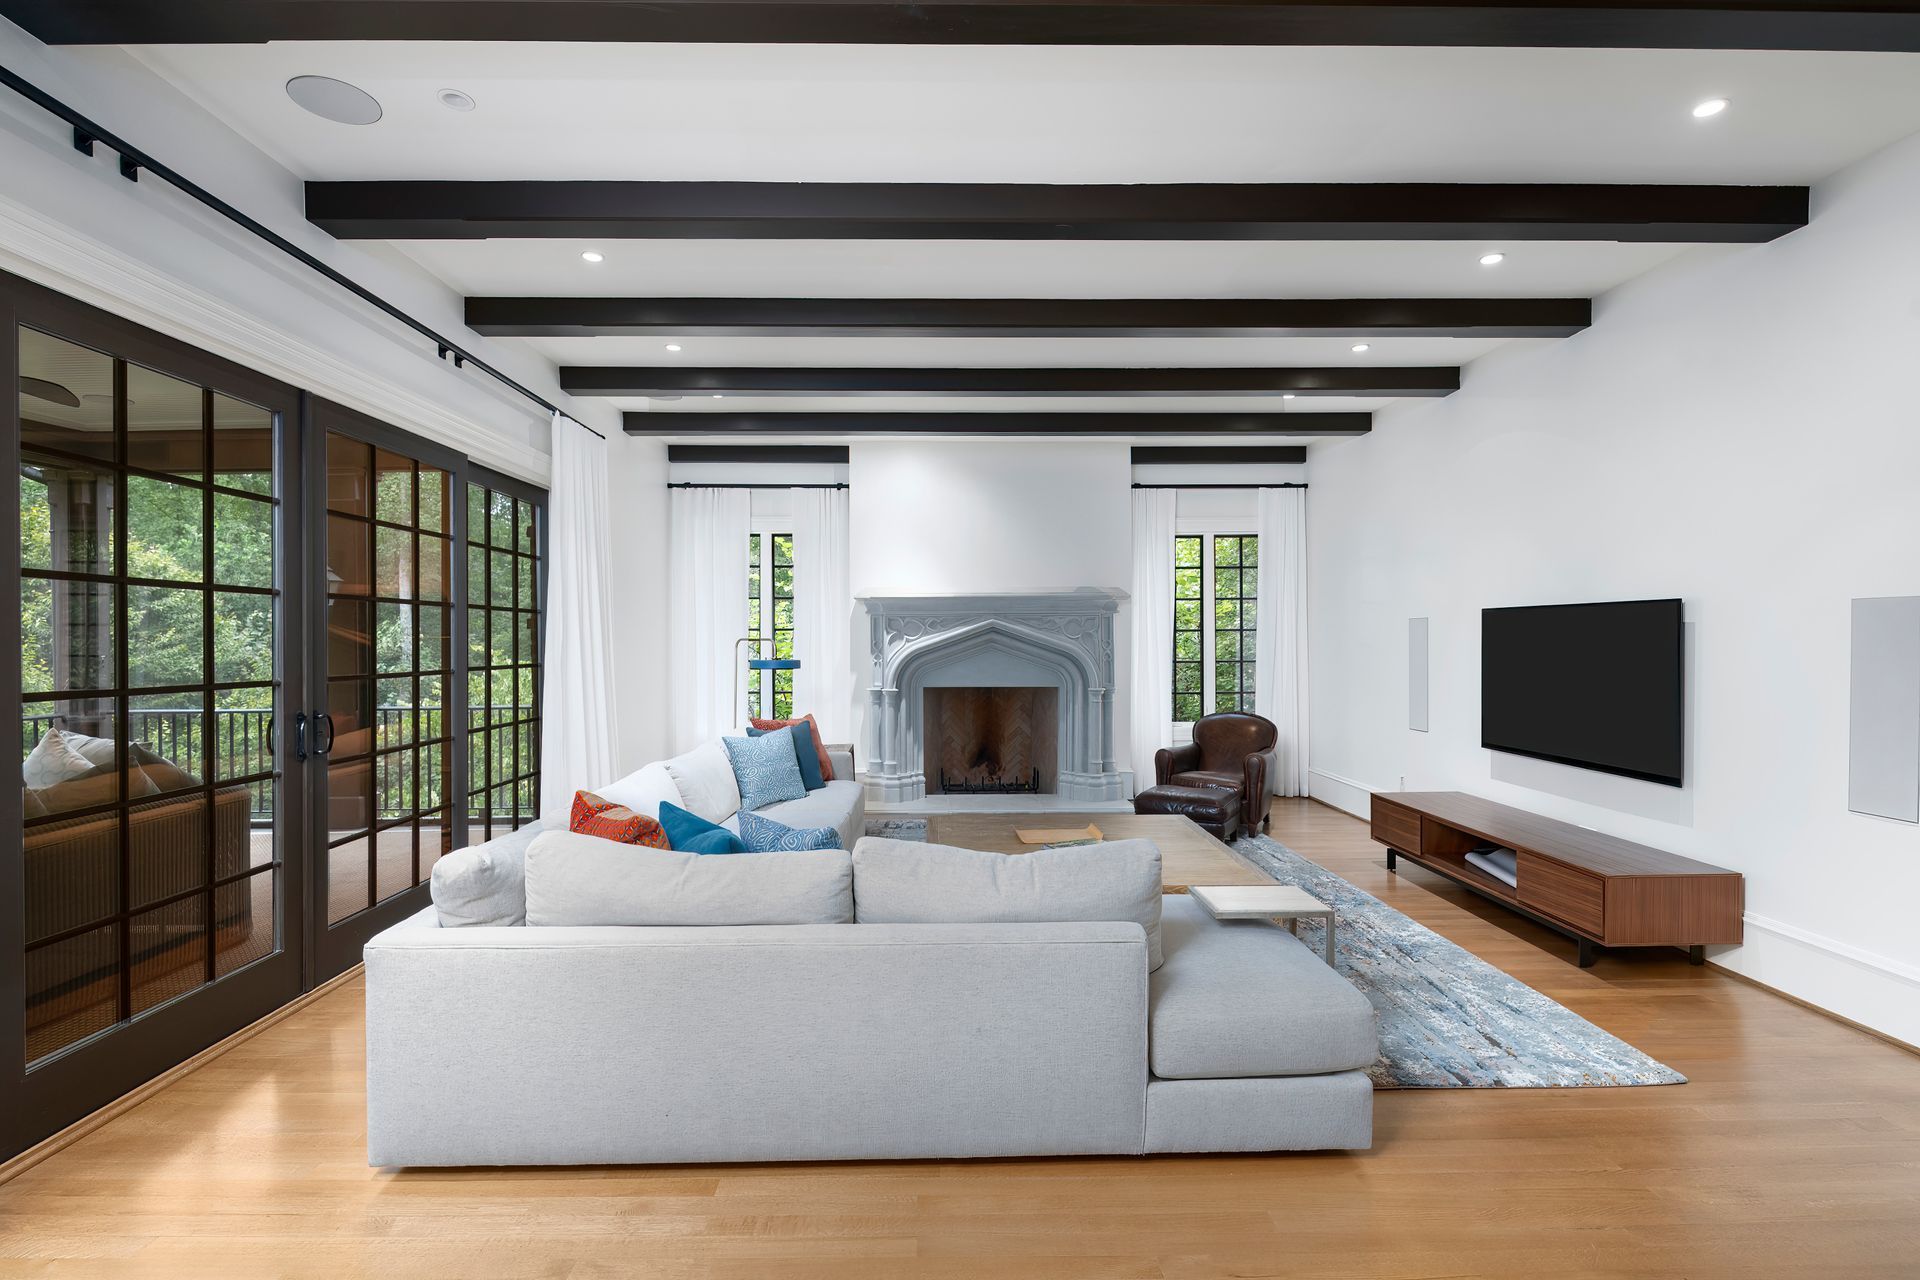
(1396, 825)
(1563, 892)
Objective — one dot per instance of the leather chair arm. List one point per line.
(1255, 792)
(1168, 761)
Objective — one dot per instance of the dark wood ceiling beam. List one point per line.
(1200, 455)
(1034, 211)
(1029, 317)
(1877, 25)
(668, 423)
(613, 380)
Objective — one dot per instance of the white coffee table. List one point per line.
(1264, 902)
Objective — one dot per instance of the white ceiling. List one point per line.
(896, 113)
(1051, 115)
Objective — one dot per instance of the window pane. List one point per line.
(242, 638)
(66, 396)
(393, 487)
(242, 541)
(73, 990)
(393, 565)
(163, 530)
(348, 562)
(172, 631)
(66, 635)
(434, 484)
(435, 564)
(66, 515)
(242, 445)
(349, 476)
(165, 424)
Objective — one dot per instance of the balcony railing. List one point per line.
(243, 744)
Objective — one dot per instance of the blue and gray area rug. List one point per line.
(1448, 1019)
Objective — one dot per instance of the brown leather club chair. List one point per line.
(1232, 749)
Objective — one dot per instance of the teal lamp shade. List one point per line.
(773, 664)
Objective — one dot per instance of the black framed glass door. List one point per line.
(154, 840)
(388, 511)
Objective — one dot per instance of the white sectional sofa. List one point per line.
(884, 1026)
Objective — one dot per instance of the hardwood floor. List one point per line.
(1794, 1151)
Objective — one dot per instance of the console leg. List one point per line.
(1390, 860)
(1586, 950)
(1696, 955)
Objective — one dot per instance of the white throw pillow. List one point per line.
(643, 790)
(905, 882)
(579, 880)
(53, 760)
(704, 778)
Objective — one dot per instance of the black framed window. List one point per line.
(770, 572)
(1215, 618)
(504, 591)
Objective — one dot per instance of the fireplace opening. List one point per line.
(991, 741)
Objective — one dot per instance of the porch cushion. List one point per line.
(1245, 998)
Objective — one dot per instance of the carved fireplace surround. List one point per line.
(1057, 640)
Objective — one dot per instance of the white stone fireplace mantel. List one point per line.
(1061, 640)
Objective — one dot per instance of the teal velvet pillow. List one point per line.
(805, 753)
(766, 768)
(691, 833)
(764, 835)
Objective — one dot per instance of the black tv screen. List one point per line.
(1593, 685)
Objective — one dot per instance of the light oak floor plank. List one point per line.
(1794, 1151)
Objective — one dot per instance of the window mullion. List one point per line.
(1209, 696)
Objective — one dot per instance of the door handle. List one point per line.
(318, 716)
(299, 735)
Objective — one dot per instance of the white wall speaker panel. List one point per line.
(1417, 674)
(1883, 776)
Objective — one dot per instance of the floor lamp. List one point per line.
(760, 663)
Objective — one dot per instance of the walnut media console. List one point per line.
(1596, 889)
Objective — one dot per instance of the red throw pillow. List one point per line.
(593, 816)
(826, 762)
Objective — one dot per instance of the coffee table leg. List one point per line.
(1293, 923)
(1330, 963)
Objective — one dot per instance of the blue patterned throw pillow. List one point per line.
(766, 769)
(764, 835)
(691, 833)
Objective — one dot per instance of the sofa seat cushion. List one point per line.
(581, 881)
(905, 882)
(841, 804)
(1242, 998)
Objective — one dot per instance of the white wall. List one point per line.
(958, 517)
(1740, 429)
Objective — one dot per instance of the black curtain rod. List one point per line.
(1288, 485)
(691, 484)
(132, 160)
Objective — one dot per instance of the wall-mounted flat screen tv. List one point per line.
(1594, 685)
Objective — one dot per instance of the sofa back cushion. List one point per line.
(577, 880)
(906, 882)
(643, 790)
(704, 778)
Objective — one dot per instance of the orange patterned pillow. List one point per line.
(593, 816)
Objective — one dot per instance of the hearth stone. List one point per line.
(1062, 641)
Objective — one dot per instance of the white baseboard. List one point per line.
(1343, 794)
(1846, 980)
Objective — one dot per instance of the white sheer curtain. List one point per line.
(1152, 629)
(708, 607)
(1280, 638)
(578, 737)
(822, 612)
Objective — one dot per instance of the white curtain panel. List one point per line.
(823, 612)
(1152, 629)
(708, 606)
(579, 736)
(1280, 638)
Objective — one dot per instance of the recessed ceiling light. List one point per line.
(1287, 396)
(1711, 107)
(591, 256)
(673, 346)
(455, 100)
(718, 396)
(1492, 259)
(334, 100)
(1362, 346)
